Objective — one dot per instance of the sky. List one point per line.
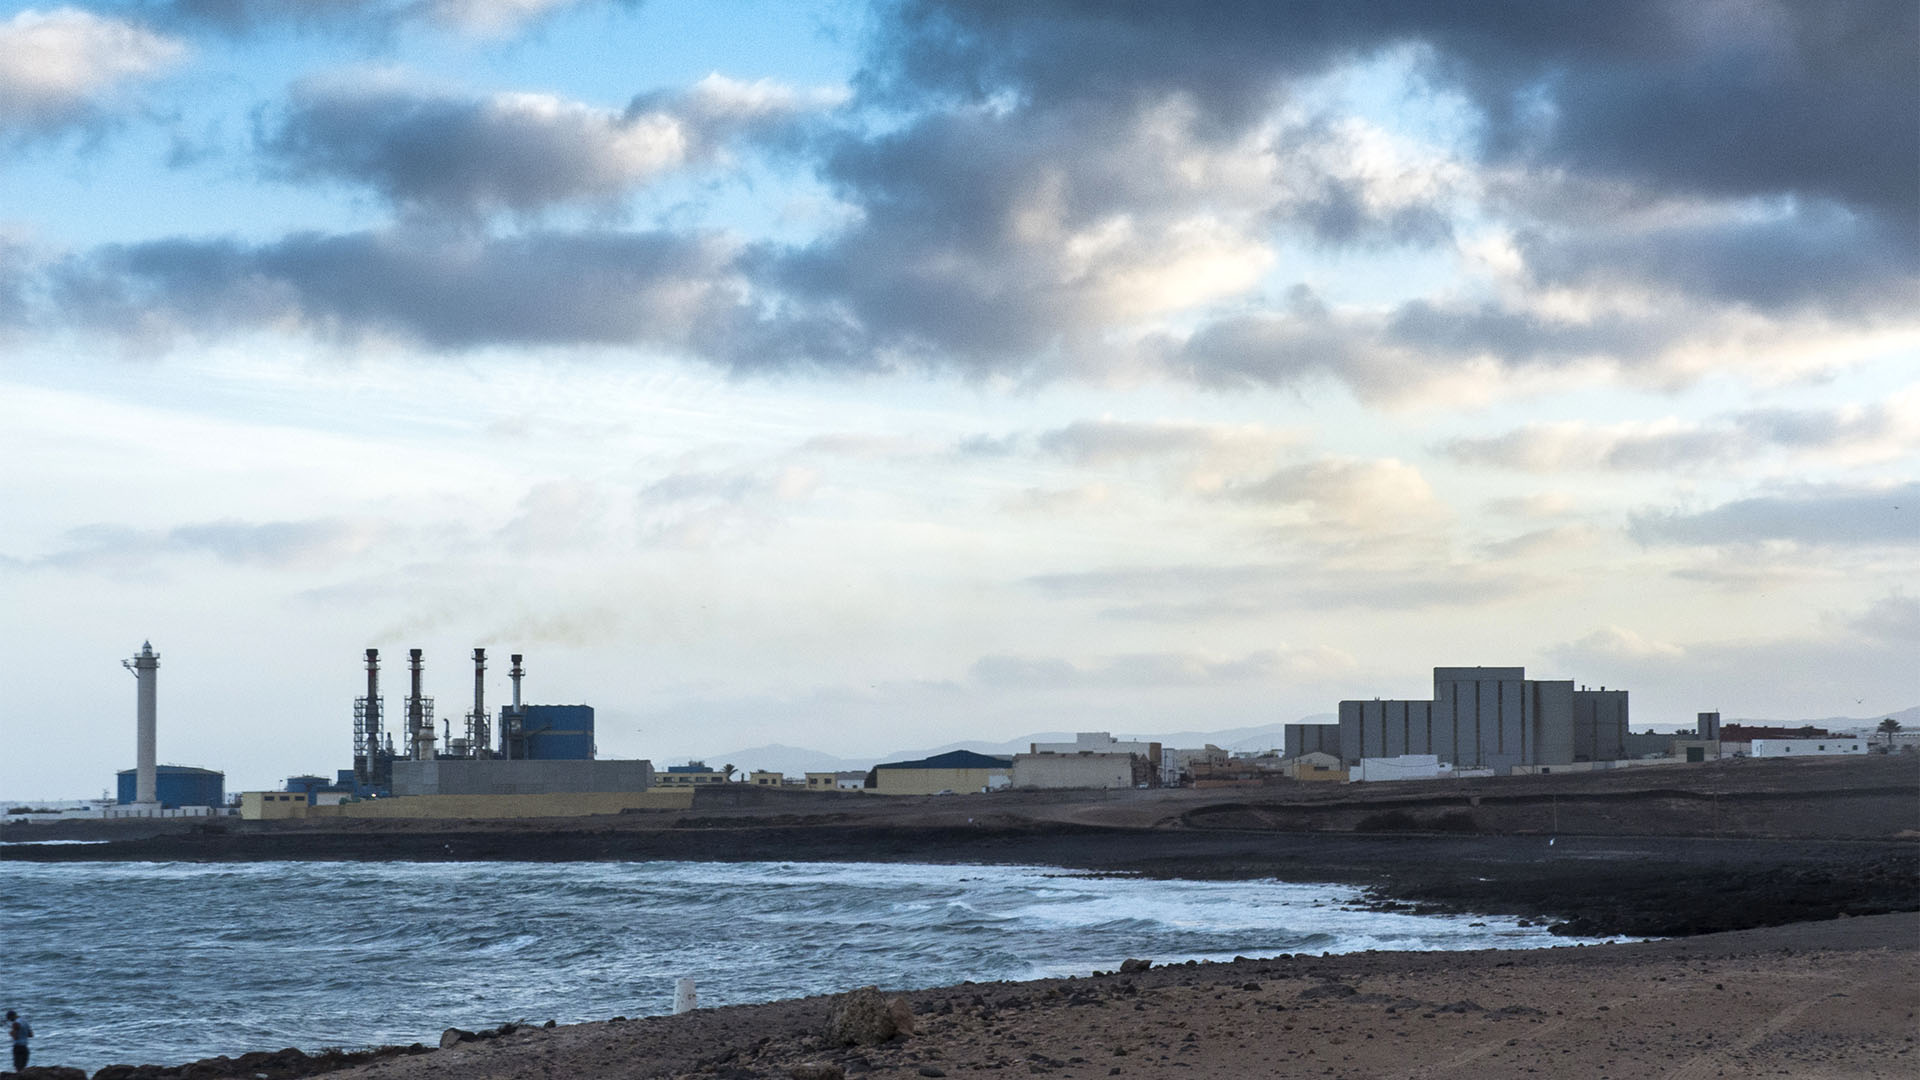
(872, 376)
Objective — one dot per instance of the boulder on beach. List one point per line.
(864, 1017)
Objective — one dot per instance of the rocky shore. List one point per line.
(1787, 893)
(1830, 999)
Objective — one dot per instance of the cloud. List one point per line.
(1159, 669)
(1539, 542)
(275, 545)
(1610, 644)
(1877, 431)
(1352, 494)
(1893, 618)
(1823, 514)
(476, 18)
(1104, 192)
(1784, 678)
(467, 156)
(649, 289)
(1111, 442)
(554, 516)
(62, 68)
(1721, 99)
(698, 509)
(1422, 351)
(1051, 501)
(1189, 594)
(1543, 504)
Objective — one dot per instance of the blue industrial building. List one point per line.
(313, 786)
(176, 786)
(554, 732)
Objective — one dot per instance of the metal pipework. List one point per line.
(146, 669)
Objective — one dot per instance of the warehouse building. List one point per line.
(954, 772)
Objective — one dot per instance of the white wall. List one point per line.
(1808, 747)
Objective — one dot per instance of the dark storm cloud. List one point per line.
(1720, 98)
(1815, 515)
(467, 155)
(645, 289)
(1818, 254)
(1803, 112)
(992, 236)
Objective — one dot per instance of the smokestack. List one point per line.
(516, 673)
(418, 726)
(146, 669)
(372, 713)
(480, 683)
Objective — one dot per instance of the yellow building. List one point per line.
(1315, 766)
(836, 781)
(272, 805)
(958, 772)
(765, 778)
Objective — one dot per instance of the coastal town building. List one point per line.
(1177, 765)
(836, 781)
(1084, 770)
(1094, 759)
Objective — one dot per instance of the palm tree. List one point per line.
(729, 770)
(1887, 728)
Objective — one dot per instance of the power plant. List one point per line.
(541, 749)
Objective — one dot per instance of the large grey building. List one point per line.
(1479, 718)
(518, 776)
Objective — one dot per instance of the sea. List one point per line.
(169, 962)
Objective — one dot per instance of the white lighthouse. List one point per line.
(145, 668)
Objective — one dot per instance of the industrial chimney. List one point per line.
(419, 720)
(146, 669)
(513, 743)
(479, 732)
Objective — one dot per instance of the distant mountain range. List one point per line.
(794, 760)
(1906, 718)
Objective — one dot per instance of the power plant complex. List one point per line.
(532, 760)
(541, 749)
(526, 750)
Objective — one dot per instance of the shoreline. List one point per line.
(1834, 998)
(1584, 886)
